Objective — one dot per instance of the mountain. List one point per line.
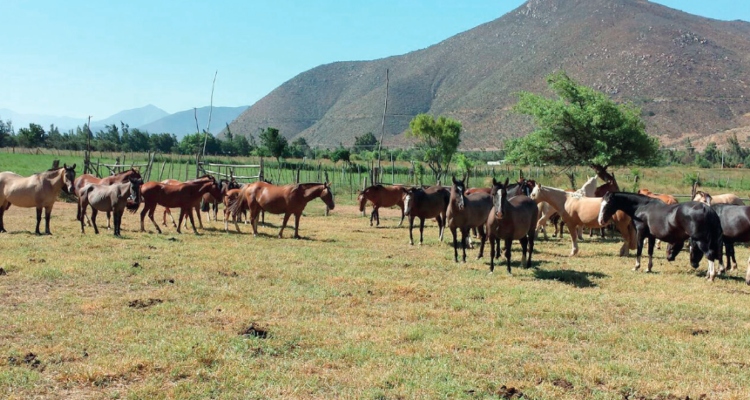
(688, 74)
(183, 122)
(134, 117)
(23, 120)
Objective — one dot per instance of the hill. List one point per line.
(183, 122)
(687, 73)
(133, 117)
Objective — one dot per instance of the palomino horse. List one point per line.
(735, 227)
(577, 210)
(288, 200)
(546, 212)
(381, 196)
(431, 202)
(86, 179)
(726, 198)
(197, 205)
(183, 195)
(466, 212)
(112, 198)
(510, 219)
(38, 190)
(673, 224)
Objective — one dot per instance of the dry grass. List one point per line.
(353, 312)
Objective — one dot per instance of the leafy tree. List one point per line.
(368, 141)
(163, 142)
(438, 138)
(341, 154)
(299, 148)
(711, 153)
(108, 139)
(274, 142)
(581, 127)
(464, 163)
(33, 136)
(6, 134)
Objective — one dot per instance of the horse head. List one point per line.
(408, 194)
(535, 191)
(362, 200)
(134, 200)
(327, 196)
(702, 197)
(69, 178)
(499, 197)
(607, 209)
(457, 192)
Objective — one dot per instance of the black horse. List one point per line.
(673, 224)
(735, 224)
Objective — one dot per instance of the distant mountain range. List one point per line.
(149, 118)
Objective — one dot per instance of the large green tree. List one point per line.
(274, 142)
(6, 134)
(33, 136)
(581, 127)
(438, 138)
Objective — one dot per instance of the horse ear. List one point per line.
(494, 182)
(506, 182)
(520, 174)
(74, 166)
(454, 180)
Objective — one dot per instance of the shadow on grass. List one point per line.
(570, 277)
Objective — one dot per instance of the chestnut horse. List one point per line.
(431, 202)
(197, 205)
(39, 190)
(466, 212)
(211, 203)
(183, 195)
(86, 179)
(288, 200)
(381, 196)
(576, 210)
(110, 198)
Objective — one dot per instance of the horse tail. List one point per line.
(633, 242)
(236, 205)
(205, 206)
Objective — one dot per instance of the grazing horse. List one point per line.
(288, 200)
(431, 202)
(196, 206)
(39, 190)
(182, 195)
(672, 223)
(466, 212)
(110, 198)
(576, 210)
(86, 179)
(735, 227)
(381, 196)
(726, 198)
(510, 219)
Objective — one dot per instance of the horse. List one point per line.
(735, 227)
(726, 198)
(577, 210)
(182, 195)
(609, 185)
(431, 202)
(39, 190)
(546, 212)
(510, 219)
(110, 198)
(381, 196)
(288, 200)
(666, 198)
(86, 179)
(196, 206)
(466, 212)
(672, 223)
(211, 203)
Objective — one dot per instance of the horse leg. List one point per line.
(531, 249)
(573, 237)
(441, 226)
(179, 222)
(492, 252)
(623, 229)
(283, 224)
(376, 213)
(109, 218)
(151, 216)
(465, 232)
(411, 228)
(402, 217)
(481, 247)
(455, 244)
(38, 220)
(508, 244)
(118, 220)
(47, 215)
(524, 248)
(192, 222)
(296, 225)
(2, 214)
(94, 213)
(651, 240)
(747, 274)
(421, 230)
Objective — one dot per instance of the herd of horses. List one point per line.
(501, 213)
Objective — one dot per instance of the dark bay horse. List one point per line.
(114, 198)
(466, 212)
(735, 225)
(39, 190)
(381, 196)
(421, 203)
(673, 224)
(511, 219)
(288, 200)
(183, 195)
(86, 179)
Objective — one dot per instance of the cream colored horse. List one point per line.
(546, 212)
(578, 211)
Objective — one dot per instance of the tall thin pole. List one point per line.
(210, 111)
(382, 124)
(87, 162)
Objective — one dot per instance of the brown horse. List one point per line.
(666, 198)
(466, 212)
(510, 219)
(210, 203)
(288, 200)
(196, 206)
(609, 185)
(182, 195)
(110, 198)
(86, 179)
(421, 203)
(38, 190)
(381, 196)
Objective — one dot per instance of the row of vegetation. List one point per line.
(581, 127)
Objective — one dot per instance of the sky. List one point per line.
(78, 58)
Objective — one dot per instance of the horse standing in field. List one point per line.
(466, 212)
(288, 200)
(196, 206)
(86, 179)
(431, 202)
(114, 198)
(381, 196)
(735, 227)
(577, 210)
(209, 202)
(39, 190)
(673, 224)
(546, 212)
(726, 198)
(182, 195)
(511, 219)
(666, 198)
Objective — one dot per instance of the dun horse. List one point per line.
(288, 200)
(381, 196)
(112, 198)
(38, 190)
(182, 195)
(86, 179)
(510, 219)
(726, 198)
(548, 213)
(671, 223)
(466, 212)
(425, 204)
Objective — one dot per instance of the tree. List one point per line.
(368, 141)
(274, 143)
(33, 136)
(6, 134)
(439, 139)
(581, 127)
(299, 148)
(341, 154)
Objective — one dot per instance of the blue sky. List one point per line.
(79, 58)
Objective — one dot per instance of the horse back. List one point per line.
(735, 221)
(31, 191)
(518, 221)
